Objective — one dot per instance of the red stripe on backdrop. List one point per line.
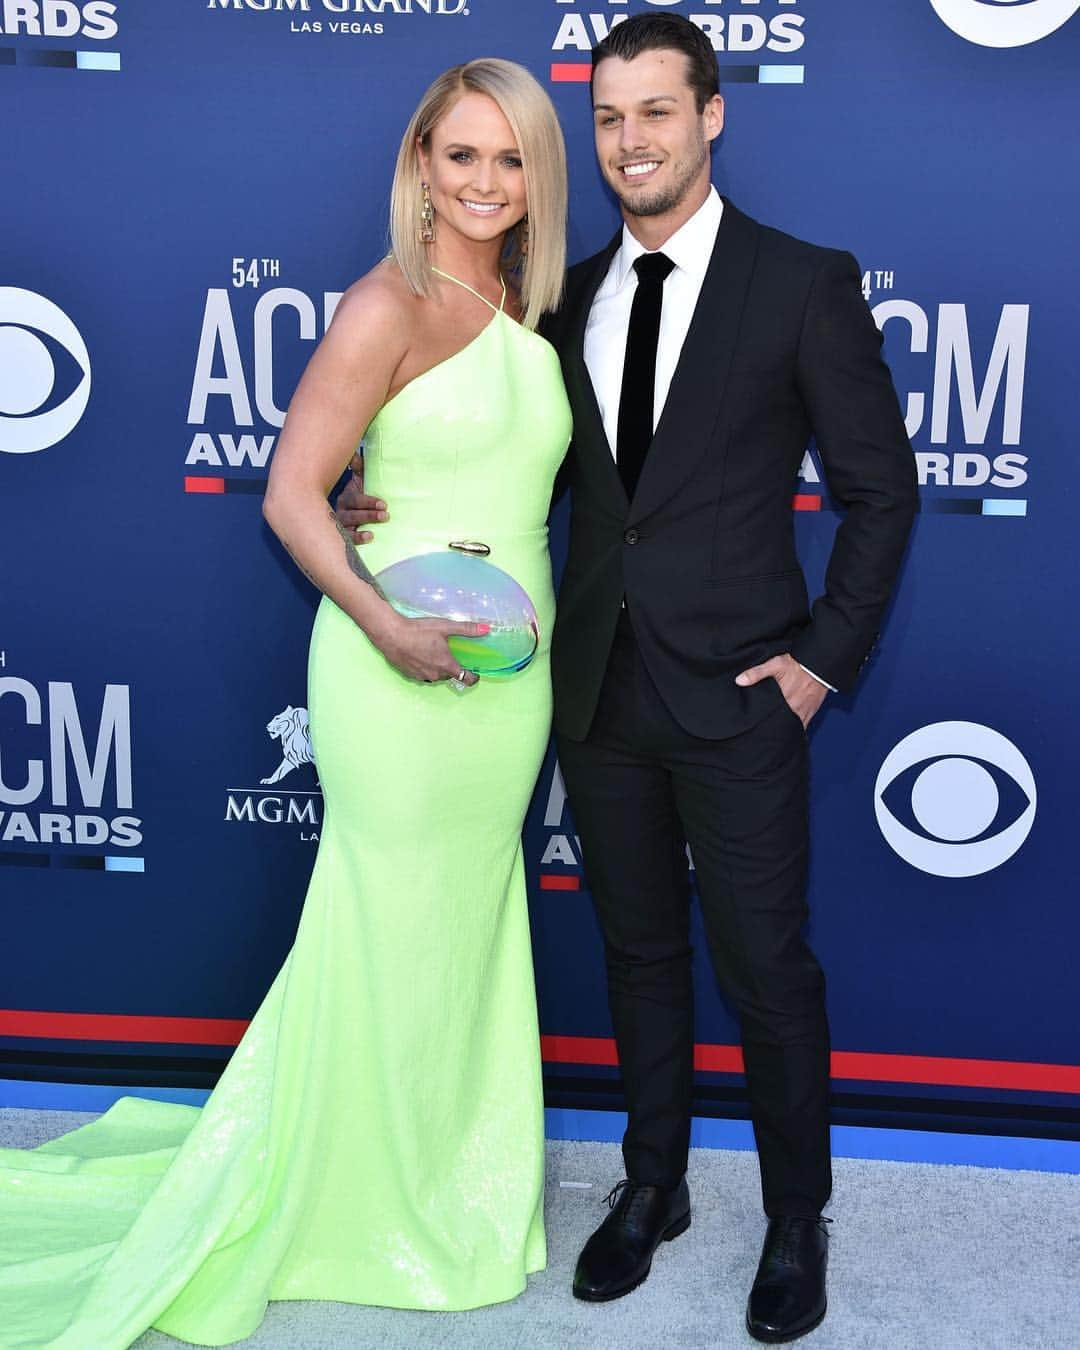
(63, 1026)
(553, 882)
(849, 1064)
(989, 1073)
(563, 72)
(204, 484)
(853, 1064)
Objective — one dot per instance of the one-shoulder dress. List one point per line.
(377, 1136)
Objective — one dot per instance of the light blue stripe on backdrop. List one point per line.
(1004, 506)
(87, 1096)
(781, 74)
(125, 864)
(97, 60)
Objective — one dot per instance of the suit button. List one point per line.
(631, 537)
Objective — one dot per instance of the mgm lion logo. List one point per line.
(290, 727)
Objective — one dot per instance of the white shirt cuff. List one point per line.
(809, 672)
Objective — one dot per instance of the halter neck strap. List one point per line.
(458, 282)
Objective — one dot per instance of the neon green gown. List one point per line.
(377, 1136)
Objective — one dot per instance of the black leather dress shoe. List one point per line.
(788, 1297)
(619, 1254)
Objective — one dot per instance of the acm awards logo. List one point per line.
(960, 383)
(244, 345)
(1004, 23)
(560, 859)
(746, 26)
(44, 372)
(66, 773)
(561, 850)
(955, 799)
(59, 19)
(298, 804)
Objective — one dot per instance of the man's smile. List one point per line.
(639, 169)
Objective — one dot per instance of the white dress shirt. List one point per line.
(690, 248)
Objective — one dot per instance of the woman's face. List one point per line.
(473, 167)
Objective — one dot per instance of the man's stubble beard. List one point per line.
(667, 199)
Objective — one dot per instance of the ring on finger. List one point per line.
(459, 681)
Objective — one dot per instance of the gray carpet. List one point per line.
(948, 1258)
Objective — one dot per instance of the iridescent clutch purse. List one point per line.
(463, 586)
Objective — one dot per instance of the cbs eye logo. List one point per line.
(955, 799)
(44, 372)
(1004, 23)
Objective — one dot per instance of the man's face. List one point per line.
(651, 141)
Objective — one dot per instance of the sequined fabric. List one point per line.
(377, 1136)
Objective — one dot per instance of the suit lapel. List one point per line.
(694, 403)
(590, 440)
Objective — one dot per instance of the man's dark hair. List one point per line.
(665, 32)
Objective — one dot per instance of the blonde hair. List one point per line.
(535, 125)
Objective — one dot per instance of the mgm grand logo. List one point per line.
(436, 7)
(297, 805)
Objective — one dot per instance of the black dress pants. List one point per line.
(641, 788)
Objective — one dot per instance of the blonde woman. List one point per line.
(378, 1135)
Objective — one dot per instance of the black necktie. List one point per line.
(636, 398)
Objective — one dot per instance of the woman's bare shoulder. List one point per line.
(378, 307)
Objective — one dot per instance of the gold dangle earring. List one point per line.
(426, 232)
(525, 236)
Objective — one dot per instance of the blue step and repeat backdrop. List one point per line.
(186, 188)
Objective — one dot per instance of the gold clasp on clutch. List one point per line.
(473, 546)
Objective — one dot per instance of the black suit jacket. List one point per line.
(782, 346)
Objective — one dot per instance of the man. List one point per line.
(700, 351)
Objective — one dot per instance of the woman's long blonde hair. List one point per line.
(535, 125)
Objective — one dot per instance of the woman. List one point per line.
(377, 1137)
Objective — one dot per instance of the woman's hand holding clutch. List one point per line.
(418, 647)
